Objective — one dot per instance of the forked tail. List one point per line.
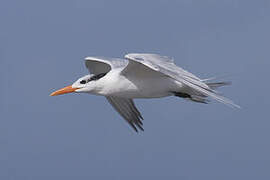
(202, 97)
(215, 85)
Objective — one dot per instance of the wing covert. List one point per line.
(97, 65)
(165, 65)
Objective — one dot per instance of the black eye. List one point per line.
(82, 81)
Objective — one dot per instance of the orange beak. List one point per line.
(65, 90)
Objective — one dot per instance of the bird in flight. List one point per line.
(141, 76)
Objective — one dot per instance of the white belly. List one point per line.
(141, 87)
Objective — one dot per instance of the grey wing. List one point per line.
(166, 66)
(127, 109)
(97, 65)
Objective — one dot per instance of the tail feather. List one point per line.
(200, 95)
(199, 99)
(215, 85)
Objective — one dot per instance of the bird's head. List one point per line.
(86, 84)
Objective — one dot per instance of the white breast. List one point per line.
(132, 87)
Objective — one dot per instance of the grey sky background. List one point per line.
(78, 136)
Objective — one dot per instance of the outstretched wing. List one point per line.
(127, 109)
(97, 65)
(165, 65)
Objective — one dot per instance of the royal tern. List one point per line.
(141, 76)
